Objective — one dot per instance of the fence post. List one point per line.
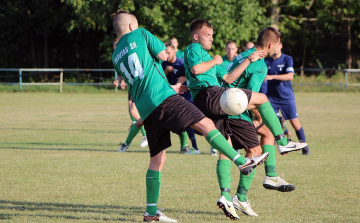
(20, 79)
(61, 80)
(116, 77)
(346, 80)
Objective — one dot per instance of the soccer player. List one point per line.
(231, 52)
(175, 72)
(244, 134)
(249, 45)
(137, 58)
(202, 70)
(179, 53)
(277, 87)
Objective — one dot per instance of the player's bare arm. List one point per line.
(181, 79)
(280, 77)
(162, 55)
(234, 74)
(207, 65)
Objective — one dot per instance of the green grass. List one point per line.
(59, 163)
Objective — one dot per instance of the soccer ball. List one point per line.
(233, 101)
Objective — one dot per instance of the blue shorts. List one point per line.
(287, 108)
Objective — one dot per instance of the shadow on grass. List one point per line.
(64, 211)
(59, 209)
(86, 149)
(65, 130)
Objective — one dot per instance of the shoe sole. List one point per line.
(282, 188)
(248, 170)
(227, 214)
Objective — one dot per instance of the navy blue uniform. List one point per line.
(179, 70)
(280, 93)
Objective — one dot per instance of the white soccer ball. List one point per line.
(233, 101)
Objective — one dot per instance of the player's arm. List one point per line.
(206, 65)
(162, 56)
(289, 76)
(281, 77)
(235, 73)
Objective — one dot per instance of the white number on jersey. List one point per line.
(136, 69)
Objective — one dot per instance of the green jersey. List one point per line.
(252, 78)
(225, 64)
(195, 54)
(135, 59)
(180, 54)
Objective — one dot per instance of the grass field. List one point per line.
(59, 163)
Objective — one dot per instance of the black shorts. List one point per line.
(243, 134)
(174, 114)
(208, 102)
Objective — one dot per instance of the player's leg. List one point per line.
(269, 118)
(183, 142)
(289, 112)
(240, 199)
(191, 134)
(244, 136)
(135, 128)
(135, 114)
(208, 102)
(159, 140)
(272, 180)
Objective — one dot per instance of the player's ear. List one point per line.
(130, 27)
(271, 44)
(196, 37)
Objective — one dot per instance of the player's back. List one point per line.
(135, 59)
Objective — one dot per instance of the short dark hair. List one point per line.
(198, 24)
(170, 45)
(231, 41)
(266, 35)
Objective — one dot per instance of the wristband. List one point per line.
(248, 59)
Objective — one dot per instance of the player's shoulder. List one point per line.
(286, 57)
(179, 61)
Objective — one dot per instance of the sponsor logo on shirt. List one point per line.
(280, 66)
(175, 71)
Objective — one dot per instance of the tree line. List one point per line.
(78, 33)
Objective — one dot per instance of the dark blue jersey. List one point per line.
(179, 70)
(279, 90)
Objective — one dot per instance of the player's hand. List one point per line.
(116, 83)
(179, 88)
(181, 79)
(122, 84)
(218, 59)
(257, 55)
(169, 68)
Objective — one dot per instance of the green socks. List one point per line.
(133, 132)
(244, 185)
(271, 121)
(183, 139)
(153, 182)
(143, 132)
(218, 141)
(270, 162)
(223, 171)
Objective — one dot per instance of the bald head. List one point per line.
(124, 22)
(249, 45)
